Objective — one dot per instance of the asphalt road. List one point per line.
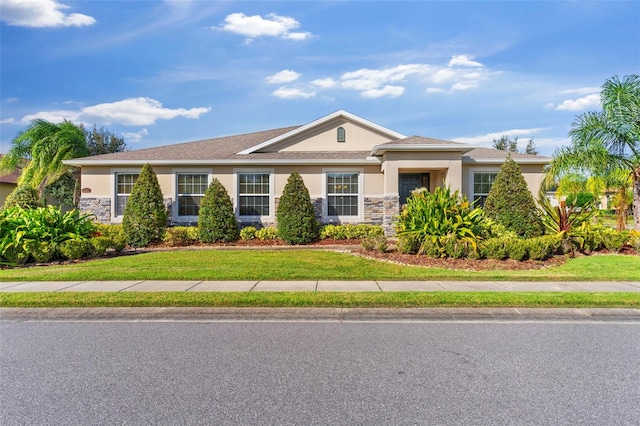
(319, 373)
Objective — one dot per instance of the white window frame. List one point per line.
(114, 185)
(472, 189)
(236, 188)
(325, 199)
(174, 190)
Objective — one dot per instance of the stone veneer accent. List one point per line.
(391, 210)
(100, 207)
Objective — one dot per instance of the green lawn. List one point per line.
(308, 265)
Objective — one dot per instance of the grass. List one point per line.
(324, 300)
(219, 265)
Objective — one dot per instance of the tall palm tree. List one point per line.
(46, 145)
(607, 140)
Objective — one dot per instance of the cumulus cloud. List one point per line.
(324, 83)
(581, 91)
(580, 104)
(463, 61)
(487, 139)
(41, 14)
(135, 137)
(8, 121)
(389, 91)
(132, 112)
(284, 76)
(435, 90)
(375, 83)
(285, 92)
(270, 26)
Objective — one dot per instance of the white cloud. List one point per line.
(389, 91)
(580, 104)
(435, 90)
(487, 140)
(8, 121)
(132, 112)
(11, 100)
(463, 61)
(464, 85)
(581, 91)
(41, 14)
(135, 137)
(374, 83)
(256, 26)
(324, 83)
(284, 76)
(292, 93)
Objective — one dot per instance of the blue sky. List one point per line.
(161, 72)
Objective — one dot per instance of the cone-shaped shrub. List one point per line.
(216, 220)
(511, 204)
(145, 216)
(296, 218)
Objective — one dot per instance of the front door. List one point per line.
(410, 181)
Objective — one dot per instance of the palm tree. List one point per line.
(607, 140)
(46, 145)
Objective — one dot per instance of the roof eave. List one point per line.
(381, 149)
(467, 160)
(247, 162)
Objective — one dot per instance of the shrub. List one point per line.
(581, 199)
(516, 249)
(634, 239)
(23, 196)
(494, 248)
(42, 251)
(349, 231)
(99, 245)
(433, 216)
(267, 234)
(456, 248)
(181, 235)
(511, 204)
(73, 249)
(408, 244)
(375, 242)
(145, 216)
(296, 217)
(115, 233)
(216, 219)
(248, 233)
(614, 240)
(542, 248)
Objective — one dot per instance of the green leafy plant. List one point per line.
(23, 196)
(73, 249)
(99, 245)
(511, 204)
(375, 242)
(181, 235)
(248, 233)
(41, 251)
(517, 249)
(115, 233)
(350, 231)
(145, 215)
(495, 248)
(296, 217)
(268, 233)
(216, 219)
(430, 217)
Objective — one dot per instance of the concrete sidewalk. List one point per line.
(319, 286)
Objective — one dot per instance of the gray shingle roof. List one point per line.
(490, 154)
(420, 140)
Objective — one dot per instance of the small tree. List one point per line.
(216, 220)
(511, 204)
(297, 223)
(145, 216)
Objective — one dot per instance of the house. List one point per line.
(8, 183)
(356, 171)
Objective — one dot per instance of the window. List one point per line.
(341, 134)
(482, 182)
(253, 194)
(191, 189)
(342, 194)
(124, 185)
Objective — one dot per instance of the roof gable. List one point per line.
(309, 134)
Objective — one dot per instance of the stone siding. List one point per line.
(391, 210)
(100, 207)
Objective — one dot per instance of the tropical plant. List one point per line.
(607, 140)
(145, 215)
(432, 217)
(296, 217)
(46, 145)
(216, 219)
(511, 204)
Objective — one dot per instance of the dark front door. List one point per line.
(410, 181)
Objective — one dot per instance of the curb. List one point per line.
(319, 314)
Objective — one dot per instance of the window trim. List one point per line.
(325, 198)
(174, 191)
(236, 191)
(114, 188)
(472, 174)
(344, 134)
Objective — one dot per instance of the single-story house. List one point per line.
(356, 171)
(8, 183)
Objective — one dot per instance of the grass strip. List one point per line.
(279, 265)
(323, 300)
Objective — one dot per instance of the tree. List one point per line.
(145, 215)
(607, 140)
(216, 219)
(46, 145)
(102, 141)
(296, 217)
(23, 196)
(511, 145)
(511, 204)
